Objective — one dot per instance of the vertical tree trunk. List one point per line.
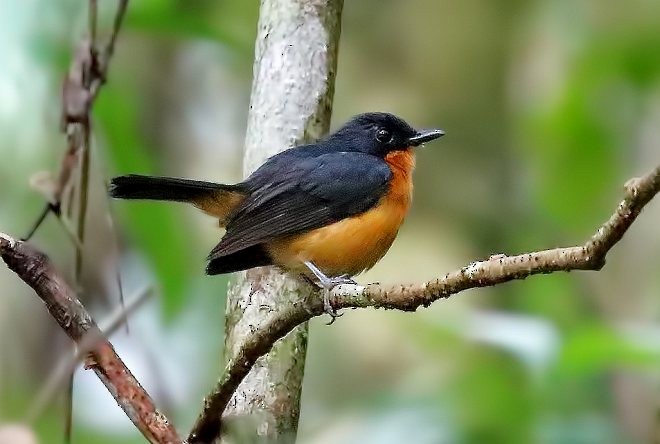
(291, 103)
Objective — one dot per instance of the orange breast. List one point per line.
(354, 244)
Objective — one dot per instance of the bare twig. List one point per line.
(68, 408)
(78, 131)
(68, 364)
(496, 270)
(36, 270)
(92, 15)
(115, 255)
(87, 74)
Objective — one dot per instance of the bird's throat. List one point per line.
(402, 164)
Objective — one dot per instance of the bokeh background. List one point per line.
(549, 107)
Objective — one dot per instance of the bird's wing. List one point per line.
(308, 194)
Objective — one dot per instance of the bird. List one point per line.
(325, 211)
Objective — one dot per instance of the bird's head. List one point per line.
(379, 134)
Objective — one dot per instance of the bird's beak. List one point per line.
(424, 136)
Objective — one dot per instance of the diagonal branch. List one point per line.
(496, 270)
(103, 59)
(36, 270)
(67, 364)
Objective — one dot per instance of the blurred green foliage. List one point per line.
(549, 106)
(155, 227)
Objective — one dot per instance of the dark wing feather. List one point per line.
(307, 194)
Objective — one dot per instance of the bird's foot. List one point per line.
(331, 282)
(328, 284)
(329, 309)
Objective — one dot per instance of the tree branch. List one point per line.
(67, 364)
(36, 270)
(496, 270)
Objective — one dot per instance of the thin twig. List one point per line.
(92, 17)
(37, 271)
(109, 50)
(68, 364)
(78, 135)
(115, 251)
(496, 270)
(87, 74)
(68, 408)
(47, 208)
(83, 199)
(119, 18)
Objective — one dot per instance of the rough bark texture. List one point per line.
(37, 271)
(291, 103)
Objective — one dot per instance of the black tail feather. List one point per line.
(216, 199)
(135, 186)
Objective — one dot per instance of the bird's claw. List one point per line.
(329, 309)
(328, 285)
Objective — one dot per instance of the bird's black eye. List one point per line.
(383, 135)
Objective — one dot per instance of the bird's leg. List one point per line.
(328, 283)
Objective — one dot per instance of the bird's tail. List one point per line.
(215, 199)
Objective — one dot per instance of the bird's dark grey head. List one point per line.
(378, 134)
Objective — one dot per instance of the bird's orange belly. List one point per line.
(349, 246)
(354, 244)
